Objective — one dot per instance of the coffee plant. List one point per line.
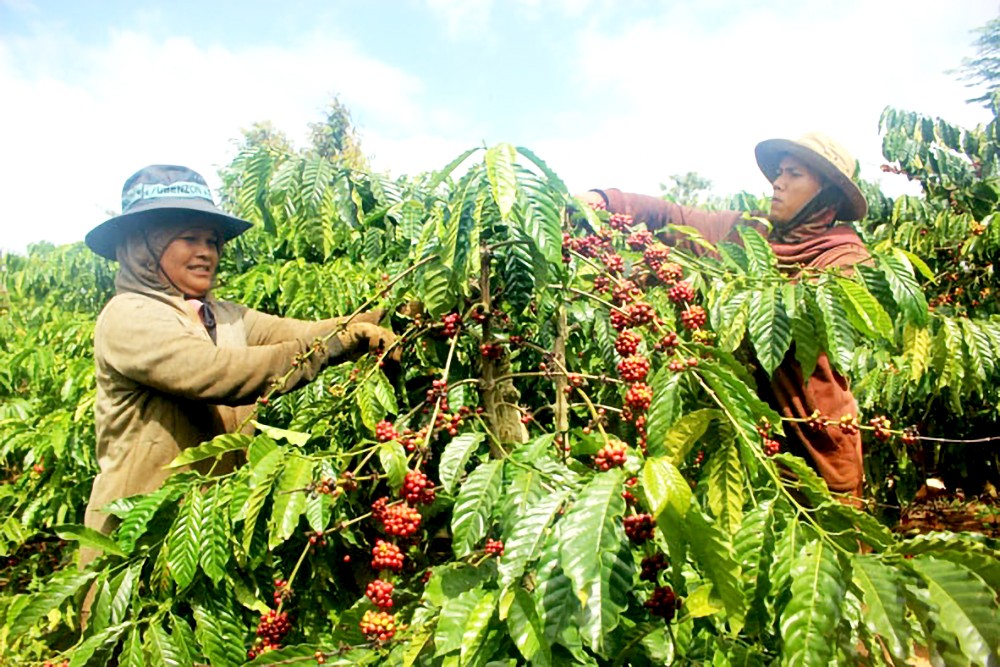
(570, 465)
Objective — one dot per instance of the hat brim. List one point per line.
(104, 238)
(770, 152)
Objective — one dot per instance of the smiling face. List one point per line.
(191, 258)
(794, 185)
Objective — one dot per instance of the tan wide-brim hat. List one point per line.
(824, 155)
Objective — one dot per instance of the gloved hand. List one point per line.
(359, 338)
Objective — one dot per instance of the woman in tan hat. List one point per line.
(814, 188)
(176, 367)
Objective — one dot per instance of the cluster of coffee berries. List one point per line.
(627, 343)
(450, 324)
(479, 313)
(387, 556)
(621, 222)
(317, 539)
(400, 520)
(663, 603)
(418, 488)
(639, 239)
(882, 426)
(639, 527)
(326, 486)
(281, 592)
(816, 421)
(771, 447)
(627, 494)
(49, 663)
(612, 455)
(681, 293)
(625, 292)
(640, 313)
(380, 593)
(613, 262)
(678, 365)
(589, 246)
(491, 350)
(493, 548)
(620, 320)
(633, 368)
(910, 435)
(669, 272)
(439, 389)
(651, 566)
(667, 343)
(385, 431)
(638, 397)
(378, 625)
(848, 424)
(655, 255)
(271, 629)
(602, 284)
(694, 317)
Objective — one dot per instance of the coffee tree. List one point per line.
(571, 465)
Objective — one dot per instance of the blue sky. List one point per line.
(609, 92)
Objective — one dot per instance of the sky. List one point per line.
(610, 93)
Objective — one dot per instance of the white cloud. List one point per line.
(135, 100)
(680, 93)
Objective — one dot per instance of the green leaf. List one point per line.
(556, 601)
(477, 623)
(384, 393)
(807, 333)
(883, 603)
(263, 476)
(436, 289)
(289, 499)
(132, 654)
(701, 603)
(664, 410)
(503, 182)
(963, 549)
(88, 537)
(471, 516)
(456, 454)
(97, 649)
(917, 349)
(686, 431)
(452, 621)
(725, 485)
(737, 399)
(57, 590)
(392, 456)
(184, 540)
(809, 620)
(162, 648)
(530, 532)
(215, 533)
(713, 554)
(839, 334)
(804, 478)
(601, 580)
(526, 629)
(910, 298)
(134, 523)
(759, 253)
(967, 607)
(665, 488)
(864, 311)
(440, 176)
(372, 411)
(769, 327)
(754, 546)
(220, 444)
(219, 629)
(734, 313)
(278, 434)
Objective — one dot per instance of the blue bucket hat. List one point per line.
(162, 194)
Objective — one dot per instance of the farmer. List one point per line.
(813, 190)
(176, 367)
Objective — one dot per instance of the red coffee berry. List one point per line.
(633, 368)
(651, 566)
(494, 548)
(625, 292)
(601, 284)
(694, 317)
(882, 426)
(639, 239)
(378, 626)
(670, 272)
(490, 350)
(627, 343)
(621, 222)
(613, 262)
(619, 320)
(655, 255)
(639, 527)
(639, 396)
(385, 431)
(418, 488)
(640, 313)
(387, 556)
(380, 593)
(681, 293)
(610, 456)
(848, 424)
(771, 447)
(401, 520)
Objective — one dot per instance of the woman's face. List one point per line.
(191, 258)
(794, 186)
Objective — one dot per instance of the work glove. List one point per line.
(359, 338)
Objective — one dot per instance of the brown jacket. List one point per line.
(164, 386)
(836, 456)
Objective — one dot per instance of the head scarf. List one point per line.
(815, 217)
